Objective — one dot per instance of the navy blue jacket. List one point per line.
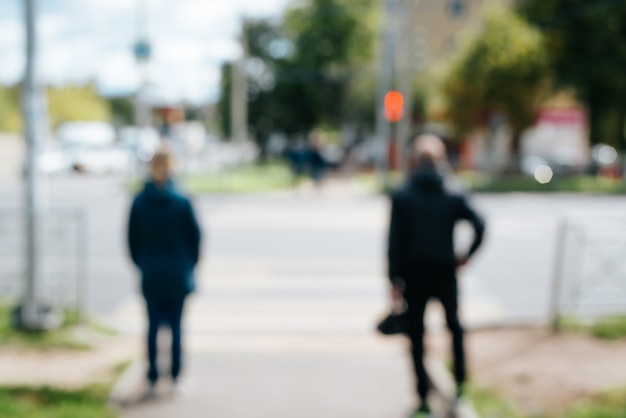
(164, 241)
(421, 232)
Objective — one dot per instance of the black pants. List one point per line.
(169, 311)
(438, 284)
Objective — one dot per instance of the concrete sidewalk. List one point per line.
(293, 378)
(283, 322)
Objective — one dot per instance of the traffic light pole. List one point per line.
(405, 69)
(239, 91)
(386, 57)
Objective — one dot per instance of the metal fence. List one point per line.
(63, 257)
(590, 270)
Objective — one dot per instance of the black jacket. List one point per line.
(164, 241)
(423, 216)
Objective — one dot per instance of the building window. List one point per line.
(457, 7)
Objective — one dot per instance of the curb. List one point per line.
(126, 389)
(444, 386)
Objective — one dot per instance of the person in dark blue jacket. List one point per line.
(164, 243)
(421, 253)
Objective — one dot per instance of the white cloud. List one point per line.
(203, 15)
(11, 34)
(86, 39)
(11, 68)
(183, 51)
(117, 72)
(223, 50)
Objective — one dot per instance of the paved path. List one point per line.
(283, 322)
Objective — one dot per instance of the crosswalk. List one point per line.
(235, 307)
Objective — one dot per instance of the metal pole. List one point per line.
(405, 76)
(141, 36)
(557, 278)
(81, 267)
(30, 109)
(385, 82)
(239, 95)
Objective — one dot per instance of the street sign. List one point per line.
(142, 50)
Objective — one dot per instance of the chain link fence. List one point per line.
(63, 257)
(590, 270)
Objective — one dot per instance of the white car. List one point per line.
(91, 147)
(142, 143)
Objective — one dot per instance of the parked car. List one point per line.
(142, 143)
(92, 147)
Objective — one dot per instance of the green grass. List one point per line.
(608, 405)
(63, 338)
(490, 404)
(25, 402)
(249, 179)
(480, 182)
(371, 182)
(607, 328)
(575, 184)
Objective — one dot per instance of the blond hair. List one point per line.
(161, 165)
(428, 147)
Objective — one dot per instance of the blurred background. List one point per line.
(290, 120)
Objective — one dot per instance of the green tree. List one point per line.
(122, 110)
(503, 70)
(76, 103)
(331, 70)
(223, 104)
(587, 43)
(312, 68)
(10, 115)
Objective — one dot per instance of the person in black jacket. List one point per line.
(164, 243)
(421, 255)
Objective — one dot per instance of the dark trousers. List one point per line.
(170, 312)
(439, 284)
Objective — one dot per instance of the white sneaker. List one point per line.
(463, 407)
(149, 394)
(180, 388)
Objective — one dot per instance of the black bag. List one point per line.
(394, 323)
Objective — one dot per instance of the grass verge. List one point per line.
(607, 405)
(254, 178)
(45, 402)
(575, 184)
(490, 404)
(606, 328)
(66, 337)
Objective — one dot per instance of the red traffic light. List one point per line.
(394, 106)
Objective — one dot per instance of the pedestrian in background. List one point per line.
(315, 158)
(421, 254)
(164, 243)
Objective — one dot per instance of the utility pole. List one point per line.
(239, 92)
(386, 64)
(405, 71)
(141, 50)
(32, 315)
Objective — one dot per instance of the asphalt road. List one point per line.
(336, 238)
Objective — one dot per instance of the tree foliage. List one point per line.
(10, 115)
(503, 69)
(587, 43)
(76, 103)
(122, 110)
(313, 68)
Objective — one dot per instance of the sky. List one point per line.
(91, 40)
